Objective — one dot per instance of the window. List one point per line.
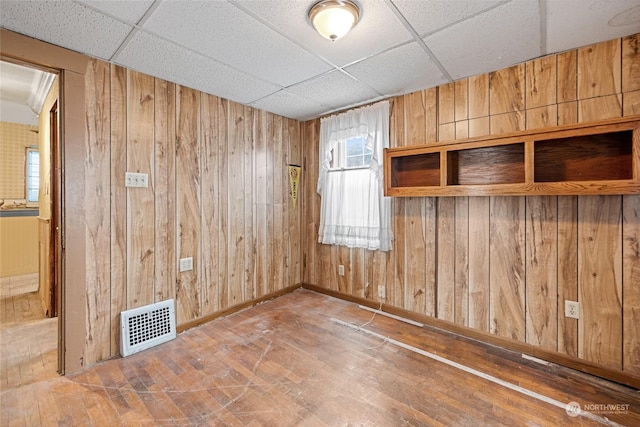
(358, 155)
(352, 153)
(32, 174)
(353, 209)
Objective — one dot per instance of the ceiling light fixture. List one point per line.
(334, 18)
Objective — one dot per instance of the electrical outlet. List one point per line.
(186, 264)
(382, 292)
(572, 309)
(132, 179)
(341, 270)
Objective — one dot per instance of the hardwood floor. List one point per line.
(28, 340)
(301, 359)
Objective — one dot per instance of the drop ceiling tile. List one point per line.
(223, 32)
(496, 39)
(163, 59)
(66, 24)
(378, 30)
(427, 16)
(130, 11)
(334, 89)
(400, 70)
(290, 105)
(592, 22)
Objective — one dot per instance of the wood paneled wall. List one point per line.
(218, 192)
(505, 265)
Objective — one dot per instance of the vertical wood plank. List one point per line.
(506, 90)
(261, 205)
(540, 76)
(211, 206)
(370, 275)
(140, 201)
(479, 250)
(507, 122)
(462, 129)
(235, 203)
(396, 296)
(479, 127)
(631, 63)
(461, 291)
(631, 103)
(249, 274)
(223, 197)
(431, 114)
(188, 292)
(541, 272)
(567, 113)
(395, 272)
(415, 259)
(600, 279)
(601, 108)
(479, 96)
(567, 79)
(278, 198)
(310, 201)
(446, 258)
(430, 219)
(284, 209)
(599, 69)
(97, 183)
(345, 284)
(461, 89)
(358, 278)
(172, 199)
(567, 272)
(163, 173)
(507, 269)
(415, 105)
(447, 132)
(446, 103)
(118, 286)
(630, 283)
(295, 215)
(542, 117)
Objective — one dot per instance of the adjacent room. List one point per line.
(326, 213)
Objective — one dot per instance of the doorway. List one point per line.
(30, 223)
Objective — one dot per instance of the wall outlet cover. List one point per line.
(572, 309)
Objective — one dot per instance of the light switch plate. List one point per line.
(132, 179)
(186, 264)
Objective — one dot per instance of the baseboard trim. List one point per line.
(615, 375)
(234, 309)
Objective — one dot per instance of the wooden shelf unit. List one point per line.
(593, 158)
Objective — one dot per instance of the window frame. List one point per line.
(339, 155)
(29, 177)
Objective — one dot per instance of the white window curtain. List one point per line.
(353, 209)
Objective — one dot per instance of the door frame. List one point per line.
(71, 265)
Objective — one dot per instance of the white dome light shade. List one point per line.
(334, 18)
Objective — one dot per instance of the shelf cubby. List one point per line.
(599, 157)
(593, 158)
(502, 164)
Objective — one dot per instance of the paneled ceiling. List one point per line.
(265, 53)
